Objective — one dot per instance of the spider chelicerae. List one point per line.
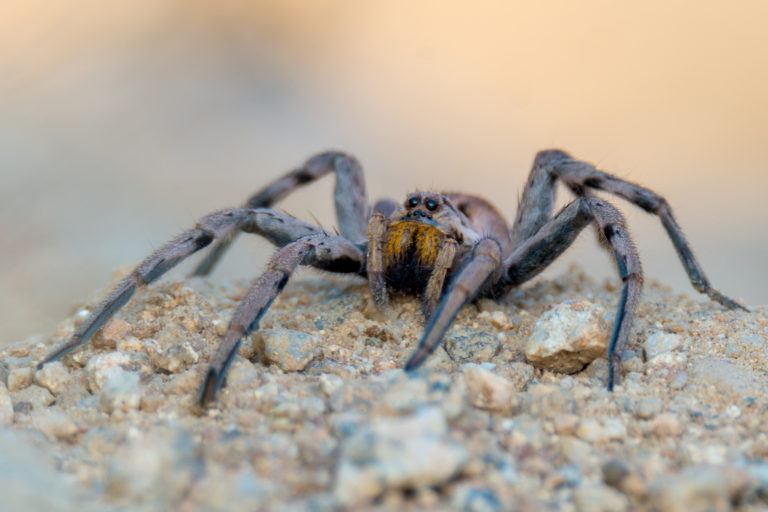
(449, 247)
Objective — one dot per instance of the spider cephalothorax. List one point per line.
(449, 248)
(414, 248)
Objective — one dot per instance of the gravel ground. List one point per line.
(317, 415)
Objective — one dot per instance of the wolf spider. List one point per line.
(451, 248)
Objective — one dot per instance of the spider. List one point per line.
(449, 247)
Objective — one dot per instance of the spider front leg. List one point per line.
(278, 228)
(443, 263)
(484, 262)
(352, 208)
(554, 237)
(377, 230)
(330, 253)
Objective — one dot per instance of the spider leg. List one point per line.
(278, 228)
(331, 253)
(377, 230)
(554, 237)
(385, 207)
(483, 217)
(483, 262)
(538, 199)
(352, 209)
(443, 263)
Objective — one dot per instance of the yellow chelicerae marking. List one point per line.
(403, 235)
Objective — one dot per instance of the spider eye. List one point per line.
(431, 205)
(414, 201)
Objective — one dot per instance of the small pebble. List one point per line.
(120, 393)
(648, 407)
(566, 424)
(488, 390)
(329, 384)
(703, 488)
(471, 345)
(666, 425)
(519, 373)
(679, 380)
(114, 330)
(101, 366)
(631, 361)
(38, 397)
(497, 318)
(407, 452)
(660, 342)
(174, 359)
(614, 473)
(568, 337)
(56, 425)
(152, 467)
(291, 350)
(20, 378)
(54, 376)
(130, 344)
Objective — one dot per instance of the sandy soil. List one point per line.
(317, 415)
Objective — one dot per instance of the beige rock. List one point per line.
(520, 374)
(329, 384)
(152, 467)
(54, 376)
(120, 393)
(291, 350)
(408, 452)
(100, 367)
(666, 425)
(576, 451)
(472, 345)
(37, 396)
(660, 342)
(497, 318)
(568, 337)
(566, 424)
(20, 378)
(648, 407)
(174, 359)
(115, 330)
(487, 390)
(56, 425)
(223, 489)
(130, 344)
(699, 489)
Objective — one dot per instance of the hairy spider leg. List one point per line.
(279, 228)
(537, 202)
(330, 253)
(352, 208)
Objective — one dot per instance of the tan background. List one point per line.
(121, 122)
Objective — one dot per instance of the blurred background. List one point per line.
(122, 122)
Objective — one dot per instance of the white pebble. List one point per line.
(568, 337)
